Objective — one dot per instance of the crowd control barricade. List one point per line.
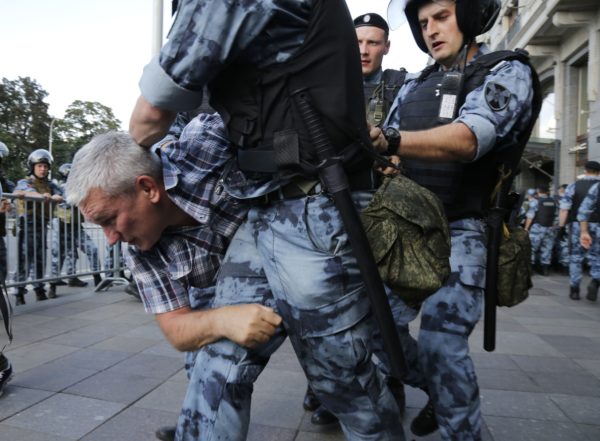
(48, 241)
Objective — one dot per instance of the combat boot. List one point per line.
(52, 291)
(322, 417)
(166, 433)
(574, 293)
(76, 282)
(311, 402)
(97, 279)
(425, 422)
(20, 297)
(40, 294)
(592, 290)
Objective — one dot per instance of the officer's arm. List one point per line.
(246, 325)
(584, 237)
(149, 124)
(452, 142)
(562, 217)
(528, 223)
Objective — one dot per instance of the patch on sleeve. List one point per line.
(497, 96)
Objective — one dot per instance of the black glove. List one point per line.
(562, 233)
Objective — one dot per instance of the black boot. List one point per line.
(40, 294)
(322, 417)
(166, 433)
(20, 297)
(97, 279)
(574, 293)
(592, 290)
(424, 423)
(52, 291)
(76, 282)
(311, 402)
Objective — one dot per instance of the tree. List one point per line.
(24, 122)
(83, 120)
(25, 125)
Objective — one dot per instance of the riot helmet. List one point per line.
(39, 156)
(3, 151)
(474, 17)
(64, 170)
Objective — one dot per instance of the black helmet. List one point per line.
(3, 151)
(64, 170)
(37, 156)
(474, 17)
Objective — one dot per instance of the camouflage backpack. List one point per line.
(410, 238)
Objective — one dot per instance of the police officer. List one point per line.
(6, 370)
(561, 243)
(380, 88)
(590, 237)
(5, 206)
(298, 61)
(462, 124)
(33, 220)
(569, 207)
(540, 225)
(68, 236)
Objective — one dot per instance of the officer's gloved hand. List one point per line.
(562, 233)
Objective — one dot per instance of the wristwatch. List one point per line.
(393, 138)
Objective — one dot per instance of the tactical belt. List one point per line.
(300, 187)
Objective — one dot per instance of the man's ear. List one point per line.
(149, 187)
(387, 47)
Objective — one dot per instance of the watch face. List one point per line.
(391, 133)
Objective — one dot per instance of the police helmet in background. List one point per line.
(39, 156)
(474, 17)
(3, 151)
(64, 170)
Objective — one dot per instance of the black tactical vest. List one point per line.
(260, 116)
(581, 190)
(464, 188)
(546, 211)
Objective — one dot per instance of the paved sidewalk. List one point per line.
(93, 366)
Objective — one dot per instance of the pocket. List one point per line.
(334, 317)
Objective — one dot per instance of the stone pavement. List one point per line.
(93, 366)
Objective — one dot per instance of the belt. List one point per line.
(288, 191)
(362, 180)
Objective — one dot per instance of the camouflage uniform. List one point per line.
(32, 235)
(440, 362)
(68, 235)
(325, 310)
(587, 207)
(577, 253)
(542, 237)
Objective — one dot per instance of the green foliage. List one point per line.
(25, 125)
(83, 120)
(24, 122)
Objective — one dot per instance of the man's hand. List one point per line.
(585, 240)
(390, 171)
(5, 206)
(377, 139)
(57, 198)
(249, 325)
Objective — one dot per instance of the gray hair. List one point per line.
(110, 162)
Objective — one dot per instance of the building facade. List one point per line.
(563, 40)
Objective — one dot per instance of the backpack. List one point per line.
(410, 238)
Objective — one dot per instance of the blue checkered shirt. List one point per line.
(189, 256)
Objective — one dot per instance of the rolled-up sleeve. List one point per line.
(490, 120)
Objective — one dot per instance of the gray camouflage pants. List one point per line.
(294, 256)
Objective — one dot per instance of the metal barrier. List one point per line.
(48, 241)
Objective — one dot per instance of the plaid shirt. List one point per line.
(189, 256)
